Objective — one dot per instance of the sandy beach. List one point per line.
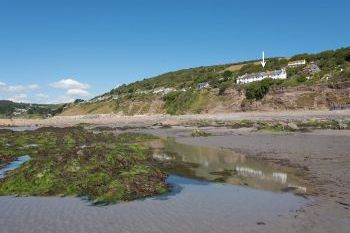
(322, 156)
(324, 159)
(145, 120)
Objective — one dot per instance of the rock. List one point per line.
(292, 126)
(169, 122)
(342, 125)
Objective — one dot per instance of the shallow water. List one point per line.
(13, 165)
(21, 128)
(193, 206)
(226, 166)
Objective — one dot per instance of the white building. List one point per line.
(248, 78)
(201, 86)
(163, 90)
(296, 63)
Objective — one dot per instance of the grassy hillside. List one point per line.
(179, 93)
(9, 109)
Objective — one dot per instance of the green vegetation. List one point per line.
(9, 109)
(272, 64)
(179, 102)
(183, 95)
(302, 126)
(257, 90)
(187, 78)
(276, 126)
(199, 133)
(103, 166)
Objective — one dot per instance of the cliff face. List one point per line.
(318, 97)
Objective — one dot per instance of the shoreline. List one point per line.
(138, 120)
(321, 155)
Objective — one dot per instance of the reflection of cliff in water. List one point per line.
(227, 166)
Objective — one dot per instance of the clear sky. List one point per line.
(58, 50)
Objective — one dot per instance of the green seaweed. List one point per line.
(105, 167)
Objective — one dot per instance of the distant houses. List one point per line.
(311, 69)
(296, 63)
(201, 86)
(163, 90)
(19, 111)
(248, 78)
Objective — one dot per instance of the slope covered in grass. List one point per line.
(179, 93)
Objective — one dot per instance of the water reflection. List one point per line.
(225, 166)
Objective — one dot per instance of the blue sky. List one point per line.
(56, 51)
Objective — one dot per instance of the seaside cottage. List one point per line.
(201, 86)
(312, 69)
(248, 78)
(163, 90)
(296, 63)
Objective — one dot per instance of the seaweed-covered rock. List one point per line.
(105, 167)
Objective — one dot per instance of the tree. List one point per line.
(78, 101)
(227, 74)
(257, 90)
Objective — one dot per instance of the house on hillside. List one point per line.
(311, 69)
(168, 90)
(19, 111)
(248, 78)
(163, 90)
(201, 86)
(296, 63)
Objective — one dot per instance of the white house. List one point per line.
(201, 86)
(248, 78)
(296, 63)
(163, 90)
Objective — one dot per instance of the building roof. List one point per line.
(312, 68)
(202, 85)
(296, 62)
(263, 74)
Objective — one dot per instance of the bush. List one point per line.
(223, 86)
(257, 90)
(78, 101)
(227, 74)
(199, 133)
(300, 78)
(179, 102)
(271, 64)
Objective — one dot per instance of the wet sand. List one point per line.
(322, 156)
(197, 207)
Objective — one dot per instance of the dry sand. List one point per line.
(142, 120)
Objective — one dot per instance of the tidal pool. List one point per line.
(221, 165)
(13, 165)
(212, 191)
(21, 128)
